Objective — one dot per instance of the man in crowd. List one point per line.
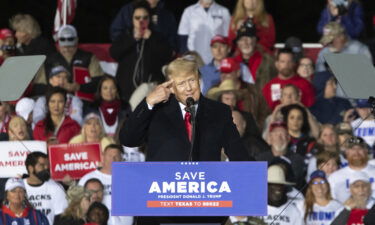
(357, 156)
(199, 24)
(278, 139)
(359, 202)
(285, 66)
(260, 65)
(248, 98)
(336, 40)
(112, 153)
(44, 193)
(84, 66)
(364, 125)
(279, 211)
(220, 48)
(96, 189)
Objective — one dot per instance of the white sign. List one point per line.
(13, 155)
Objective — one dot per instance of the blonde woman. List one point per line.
(92, 132)
(254, 9)
(17, 130)
(28, 35)
(79, 203)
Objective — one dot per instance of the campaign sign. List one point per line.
(74, 160)
(189, 188)
(13, 155)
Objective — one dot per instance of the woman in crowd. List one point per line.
(18, 130)
(108, 105)
(75, 213)
(28, 35)
(16, 209)
(299, 127)
(349, 13)
(56, 126)
(140, 51)
(92, 132)
(318, 201)
(254, 10)
(305, 68)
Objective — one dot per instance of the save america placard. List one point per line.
(189, 188)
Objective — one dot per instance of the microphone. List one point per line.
(190, 102)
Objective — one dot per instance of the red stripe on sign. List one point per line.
(189, 204)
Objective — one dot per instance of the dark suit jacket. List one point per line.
(163, 129)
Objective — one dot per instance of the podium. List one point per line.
(188, 189)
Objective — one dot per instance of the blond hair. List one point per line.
(239, 13)
(74, 195)
(25, 23)
(20, 121)
(182, 66)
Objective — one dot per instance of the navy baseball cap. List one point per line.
(318, 174)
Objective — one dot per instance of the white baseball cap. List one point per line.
(24, 107)
(13, 183)
(358, 175)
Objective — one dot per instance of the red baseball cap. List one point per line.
(229, 65)
(277, 124)
(220, 39)
(5, 33)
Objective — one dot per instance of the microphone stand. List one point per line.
(192, 120)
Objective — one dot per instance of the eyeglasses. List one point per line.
(141, 17)
(67, 39)
(319, 182)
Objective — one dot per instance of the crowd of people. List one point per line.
(288, 109)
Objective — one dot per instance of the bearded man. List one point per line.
(278, 138)
(285, 66)
(357, 156)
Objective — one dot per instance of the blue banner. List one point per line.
(189, 188)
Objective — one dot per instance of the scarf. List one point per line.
(110, 111)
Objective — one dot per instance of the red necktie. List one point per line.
(188, 125)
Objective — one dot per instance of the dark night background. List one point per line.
(93, 17)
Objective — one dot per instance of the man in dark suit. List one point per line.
(160, 121)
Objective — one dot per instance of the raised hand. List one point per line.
(160, 94)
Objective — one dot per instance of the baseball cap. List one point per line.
(229, 65)
(24, 107)
(358, 175)
(58, 69)
(91, 116)
(277, 124)
(5, 33)
(318, 174)
(67, 36)
(13, 183)
(295, 45)
(355, 140)
(247, 29)
(344, 128)
(276, 175)
(362, 103)
(220, 39)
(330, 32)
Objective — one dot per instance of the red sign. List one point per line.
(73, 159)
(82, 76)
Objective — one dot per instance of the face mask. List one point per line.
(43, 175)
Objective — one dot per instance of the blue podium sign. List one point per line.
(189, 188)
